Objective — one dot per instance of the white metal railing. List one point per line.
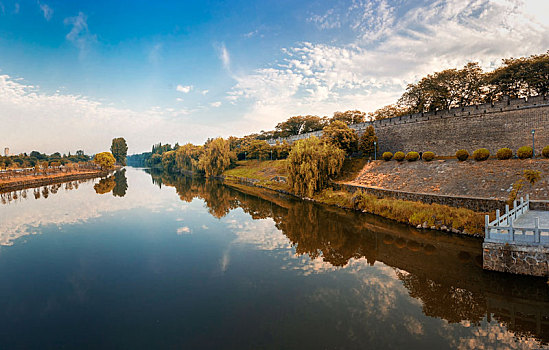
(502, 229)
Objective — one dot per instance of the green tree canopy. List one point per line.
(299, 125)
(366, 143)
(341, 136)
(119, 150)
(349, 117)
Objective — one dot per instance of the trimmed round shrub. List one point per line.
(412, 156)
(504, 153)
(525, 152)
(462, 155)
(481, 154)
(428, 156)
(387, 156)
(399, 156)
(545, 152)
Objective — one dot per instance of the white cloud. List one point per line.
(80, 34)
(215, 104)
(204, 92)
(225, 57)
(35, 118)
(184, 88)
(46, 10)
(387, 53)
(184, 230)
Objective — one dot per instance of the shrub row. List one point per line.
(481, 154)
(410, 156)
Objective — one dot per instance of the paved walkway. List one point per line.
(527, 219)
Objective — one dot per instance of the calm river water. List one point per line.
(156, 261)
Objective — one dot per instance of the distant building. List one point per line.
(6, 151)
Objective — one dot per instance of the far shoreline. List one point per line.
(50, 179)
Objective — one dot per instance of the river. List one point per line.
(147, 260)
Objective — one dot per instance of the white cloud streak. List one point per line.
(46, 10)
(80, 34)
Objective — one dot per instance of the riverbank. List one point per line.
(271, 175)
(19, 183)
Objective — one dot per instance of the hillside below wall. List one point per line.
(507, 123)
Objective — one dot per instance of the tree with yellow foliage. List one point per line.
(311, 164)
(105, 160)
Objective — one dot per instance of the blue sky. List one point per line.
(75, 74)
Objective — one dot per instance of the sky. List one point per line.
(76, 74)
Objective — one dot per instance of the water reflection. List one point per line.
(443, 272)
(13, 197)
(117, 183)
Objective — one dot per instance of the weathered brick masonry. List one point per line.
(507, 123)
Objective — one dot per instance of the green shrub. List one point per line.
(481, 154)
(428, 156)
(387, 156)
(412, 156)
(545, 152)
(504, 153)
(525, 152)
(462, 155)
(399, 156)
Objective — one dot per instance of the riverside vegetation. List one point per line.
(308, 167)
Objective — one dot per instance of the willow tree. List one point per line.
(216, 157)
(311, 164)
(187, 156)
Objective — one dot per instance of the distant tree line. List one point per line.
(35, 158)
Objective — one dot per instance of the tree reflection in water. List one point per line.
(444, 272)
(117, 183)
(39, 192)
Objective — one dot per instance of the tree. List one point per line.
(389, 111)
(366, 144)
(311, 163)
(349, 117)
(216, 157)
(119, 150)
(257, 149)
(520, 77)
(168, 161)
(299, 124)
(105, 160)
(187, 156)
(341, 136)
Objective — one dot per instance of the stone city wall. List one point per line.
(507, 123)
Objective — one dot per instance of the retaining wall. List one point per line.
(473, 203)
(518, 259)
